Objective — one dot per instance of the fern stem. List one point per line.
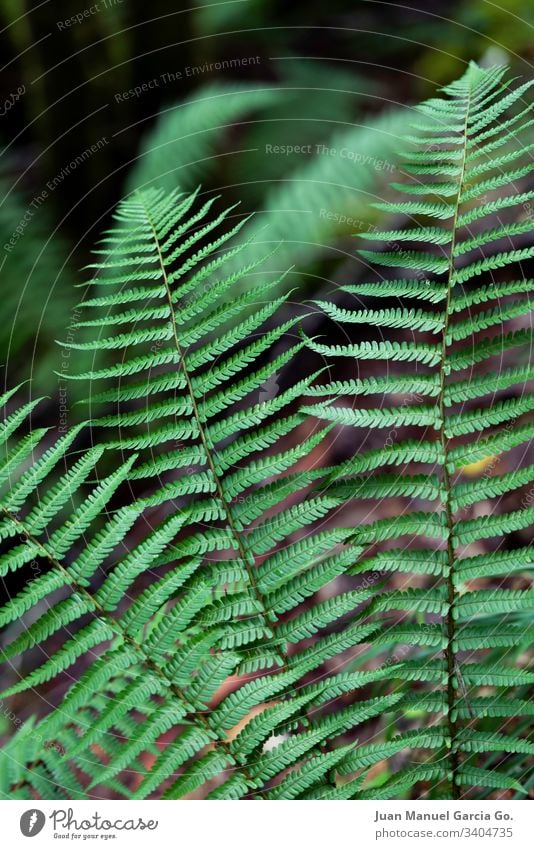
(243, 553)
(450, 654)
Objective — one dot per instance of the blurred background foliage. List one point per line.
(98, 98)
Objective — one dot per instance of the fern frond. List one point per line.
(458, 188)
(236, 545)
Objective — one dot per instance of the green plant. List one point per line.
(309, 200)
(451, 395)
(219, 474)
(236, 632)
(182, 148)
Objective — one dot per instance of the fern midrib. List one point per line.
(145, 659)
(450, 654)
(243, 553)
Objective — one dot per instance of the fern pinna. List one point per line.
(457, 357)
(235, 635)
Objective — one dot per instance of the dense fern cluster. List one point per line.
(238, 632)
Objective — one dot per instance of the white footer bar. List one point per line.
(268, 825)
